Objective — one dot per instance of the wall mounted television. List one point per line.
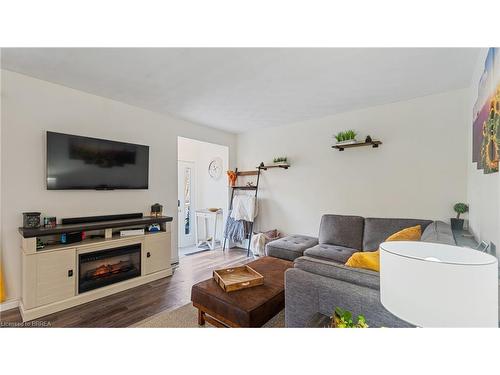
(75, 162)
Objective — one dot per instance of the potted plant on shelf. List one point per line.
(346, 137)
(459, 208)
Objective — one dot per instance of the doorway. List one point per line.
(202, 188)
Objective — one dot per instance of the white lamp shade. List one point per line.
(436, 285)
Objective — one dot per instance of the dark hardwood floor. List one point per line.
(131, 306)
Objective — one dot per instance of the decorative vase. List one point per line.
(457, 224)
(232, 176)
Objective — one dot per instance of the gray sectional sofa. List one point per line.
(320, 281)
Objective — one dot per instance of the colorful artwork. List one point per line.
(486, 116)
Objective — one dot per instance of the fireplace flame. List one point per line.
(106, 270)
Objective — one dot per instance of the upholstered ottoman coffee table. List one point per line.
(251, 307)
(290, 247)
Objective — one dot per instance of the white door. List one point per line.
(186, 194)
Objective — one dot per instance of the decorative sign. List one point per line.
(486, 116)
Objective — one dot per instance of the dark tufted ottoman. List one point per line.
(290, 247)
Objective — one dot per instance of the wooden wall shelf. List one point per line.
(266, 167)
(374, 144)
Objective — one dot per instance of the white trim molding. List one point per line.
(9, 305)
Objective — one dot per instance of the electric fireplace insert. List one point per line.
(107, 267)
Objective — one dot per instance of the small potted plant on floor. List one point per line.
(346, 137)
(459, 208)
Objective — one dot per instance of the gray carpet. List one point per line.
(187, 317)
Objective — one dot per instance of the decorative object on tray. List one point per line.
(49, 222)
(232, 176)
(215, 168)
(31, 219)
(156, 210)
(346, 137)
(343, 319)
(459, 208)
(368, 139)
(213, 209)
(236, 278)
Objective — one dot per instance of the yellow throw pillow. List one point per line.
(407, 234)
(370, 260)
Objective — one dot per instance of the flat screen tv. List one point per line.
(75, 162)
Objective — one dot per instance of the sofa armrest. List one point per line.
(301, 298)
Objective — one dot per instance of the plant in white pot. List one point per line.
(346, 137)
(459, 208)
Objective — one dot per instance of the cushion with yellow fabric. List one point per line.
(370, 260)
(407, 234)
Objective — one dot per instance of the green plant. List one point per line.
(343, 319)
(460, 208)
(345, 135)
(280, 159)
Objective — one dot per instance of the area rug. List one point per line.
(187, 317)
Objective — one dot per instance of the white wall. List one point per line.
(483, 190)
(30, 107)
(418, 172)
(209, 192)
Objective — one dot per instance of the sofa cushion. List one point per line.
(376, 230)
(330, 252)
(438, 232)
(341, 230)
(290, 247)
(338, 271)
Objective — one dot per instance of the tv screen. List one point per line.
(75, 162)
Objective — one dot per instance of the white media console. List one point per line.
(60, 276)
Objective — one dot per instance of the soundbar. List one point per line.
(97, 219)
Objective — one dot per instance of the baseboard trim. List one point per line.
(9, 305)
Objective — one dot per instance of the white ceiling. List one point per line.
(238, 89)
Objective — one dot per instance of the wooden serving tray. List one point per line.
(236, 278)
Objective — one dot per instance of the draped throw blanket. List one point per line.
(244, 207)
(236, 230)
